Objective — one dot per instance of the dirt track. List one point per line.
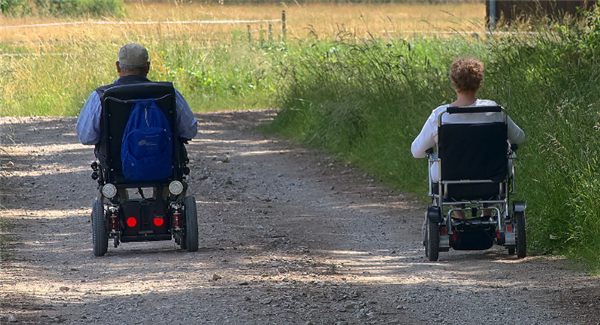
(287, 236)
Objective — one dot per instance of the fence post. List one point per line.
(270, 35)
(283, 26)
(249, 34)
(261, 35)
(492, 14)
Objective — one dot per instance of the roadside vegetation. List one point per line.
(367, 101)
(363, 94)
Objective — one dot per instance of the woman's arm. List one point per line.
(515, 134)
(425, 139)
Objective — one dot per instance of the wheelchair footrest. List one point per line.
(444, 243)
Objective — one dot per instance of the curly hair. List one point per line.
(466, 74)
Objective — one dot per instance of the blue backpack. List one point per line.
(147, 146)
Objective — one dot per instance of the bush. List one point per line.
(9, 6)
(62, 8)
(74, 8)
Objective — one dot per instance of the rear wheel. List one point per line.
(99, 233)
(521, 234)
(191, 225)
(432, 249)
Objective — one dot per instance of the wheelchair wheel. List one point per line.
(99, 233)
(432, 248)
(521, 234)
(191, 225)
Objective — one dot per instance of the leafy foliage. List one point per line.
(61, 8)
(9, 6)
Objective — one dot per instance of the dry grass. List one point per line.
(323, 20)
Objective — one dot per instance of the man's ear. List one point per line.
(118, 66)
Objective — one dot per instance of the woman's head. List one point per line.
(466, 74)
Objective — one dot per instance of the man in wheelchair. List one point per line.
(139, 129)
(470, 144)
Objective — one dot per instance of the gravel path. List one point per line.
(287, 236)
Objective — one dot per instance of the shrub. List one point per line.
(74, 8)
(62, 8)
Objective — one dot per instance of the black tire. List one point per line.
(432, 250)
(521, 234)
(191, 225)
(424, 235)
(99, 232)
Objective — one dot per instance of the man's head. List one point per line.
(466, 74)
(133, 60)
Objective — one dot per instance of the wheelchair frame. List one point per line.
(504, 227)
(116, 216)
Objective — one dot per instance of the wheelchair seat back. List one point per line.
(473, 156)
(117, 106)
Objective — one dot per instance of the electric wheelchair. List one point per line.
(136, 211)
(476, 176)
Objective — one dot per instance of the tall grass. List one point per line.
(52, 79)
(367, 102)
(304, 20)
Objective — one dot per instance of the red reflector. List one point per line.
(498, 235)
(131, 222)
(443, 231)
(509, 228)
(158, 221)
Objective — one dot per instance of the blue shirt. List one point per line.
(88, 123)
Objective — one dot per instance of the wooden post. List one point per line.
(283, 25)
(261, 35)
(249, 34)
(270, 35)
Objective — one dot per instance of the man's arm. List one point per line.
(187, 125)
(88, 123)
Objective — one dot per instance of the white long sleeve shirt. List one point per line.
(428, 136)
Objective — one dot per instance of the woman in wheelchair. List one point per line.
(466, 75)
(477, 133)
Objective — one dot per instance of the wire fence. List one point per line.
(146, 23)
(248, 23)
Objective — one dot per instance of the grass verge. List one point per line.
(368, 101)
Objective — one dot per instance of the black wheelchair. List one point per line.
(476, 176)
(136, 211)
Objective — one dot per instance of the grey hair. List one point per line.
(128, 67)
